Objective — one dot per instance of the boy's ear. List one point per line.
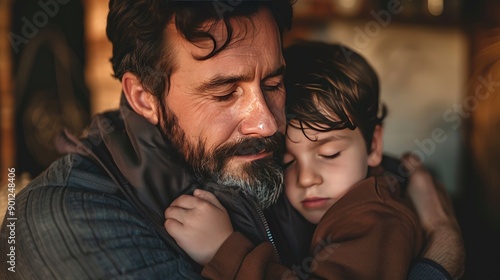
(141, 101)
(376, 149)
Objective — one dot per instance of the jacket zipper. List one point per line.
(266, 226)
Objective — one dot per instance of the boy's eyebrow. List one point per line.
(331, 138)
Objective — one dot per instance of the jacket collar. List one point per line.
(150, 174)
(142, 155)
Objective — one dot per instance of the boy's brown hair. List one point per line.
(331, 87)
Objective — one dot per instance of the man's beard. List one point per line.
(262, 179)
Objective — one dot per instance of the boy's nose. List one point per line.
(309, 177)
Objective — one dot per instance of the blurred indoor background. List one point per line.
(438, 62)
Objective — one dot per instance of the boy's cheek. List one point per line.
(289, 175)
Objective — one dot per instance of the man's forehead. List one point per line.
(243, 31)
(254, 52)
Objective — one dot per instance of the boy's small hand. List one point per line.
(199, 224)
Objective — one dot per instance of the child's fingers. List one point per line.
(176, 213)
(185, 201)
(172, 225)
(208, 196)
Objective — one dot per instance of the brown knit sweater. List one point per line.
(368, 234)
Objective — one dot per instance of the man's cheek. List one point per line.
(280, 117)
(277, 107)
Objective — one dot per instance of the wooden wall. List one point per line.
(6, 100)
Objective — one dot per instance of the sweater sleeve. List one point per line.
(365, 235)
(370, 245)
(379, 249)
(429, 270)
(238, 258)
(69, 233)
(368, 234)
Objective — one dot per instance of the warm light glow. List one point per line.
(347, 4)
(104, 90)
(435, 7)
(348, 7)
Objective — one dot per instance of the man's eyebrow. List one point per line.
(221, 80)
(278, 72)
(218, 81)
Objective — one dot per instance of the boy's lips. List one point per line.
(315, 202)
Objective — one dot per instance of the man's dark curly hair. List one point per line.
(136, 28)
(331, 87)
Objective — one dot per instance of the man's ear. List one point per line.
(142, 102)
(376, 149)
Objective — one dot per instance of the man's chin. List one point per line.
(262, 178)
(238, 167)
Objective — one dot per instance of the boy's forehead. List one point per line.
(313, 133)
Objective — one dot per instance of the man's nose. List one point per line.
(308, 176)
(258, 119)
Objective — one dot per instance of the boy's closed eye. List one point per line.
(332, 156)
(287, 164)
(288, 159)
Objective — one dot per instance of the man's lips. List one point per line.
(315, 202)
(256, 156)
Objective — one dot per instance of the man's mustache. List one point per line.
(250, 146)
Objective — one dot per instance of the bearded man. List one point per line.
(202, 107)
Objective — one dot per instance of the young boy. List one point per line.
(333, 178)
